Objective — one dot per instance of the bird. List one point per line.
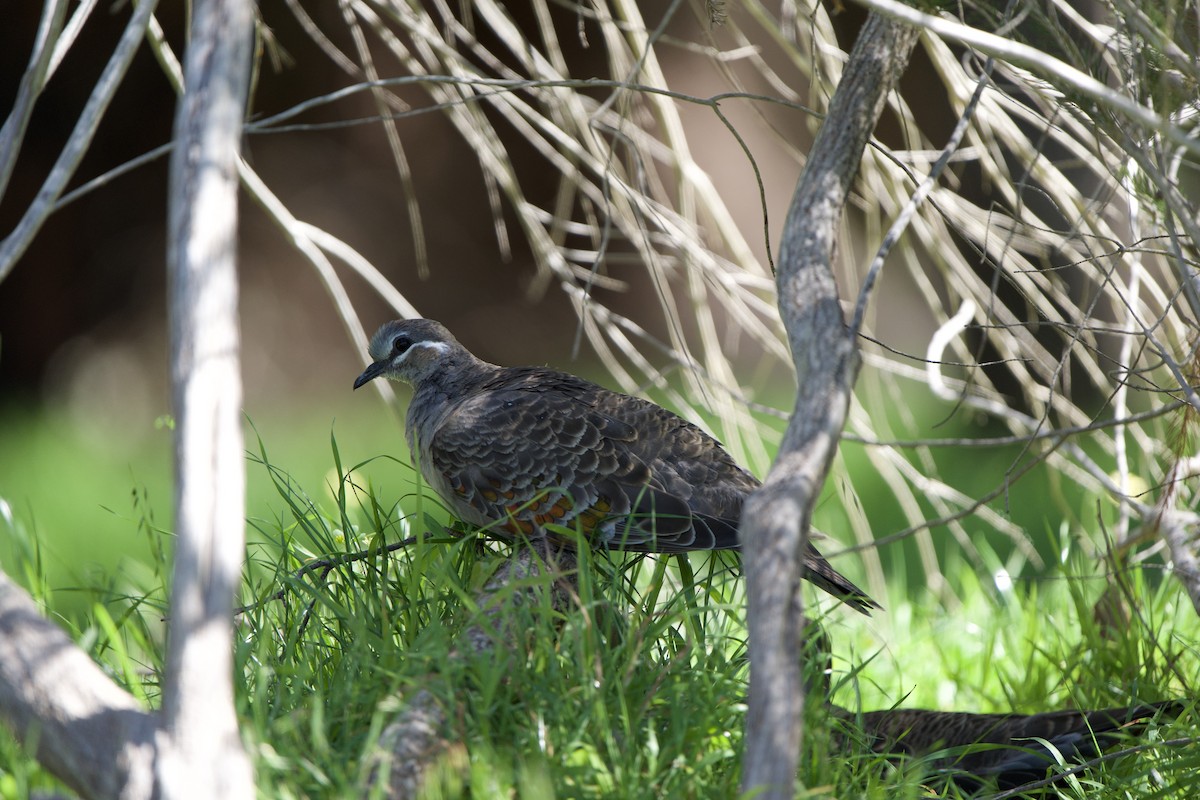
(975, 750)
(531, 451)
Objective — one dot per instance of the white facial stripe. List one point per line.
(438, 347)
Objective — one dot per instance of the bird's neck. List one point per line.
(454, 376)
(435, 394)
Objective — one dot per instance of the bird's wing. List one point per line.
(529, 453)
(532, 447)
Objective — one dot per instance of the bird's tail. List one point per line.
(722, 534)
(822, 573)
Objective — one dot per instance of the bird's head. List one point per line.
(410, 350)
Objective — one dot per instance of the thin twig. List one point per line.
(17, 242)
(32, 81)
(1038, 61)
(918, 197)
(327, 564)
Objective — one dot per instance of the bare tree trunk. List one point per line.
(776, 518)
(203, 755)
(88, 732)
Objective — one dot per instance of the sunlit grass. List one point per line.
(636, 690)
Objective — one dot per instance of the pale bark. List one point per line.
(82, 727)
(776, 518)
(202, 756)
(38, 211)
(1181, 543)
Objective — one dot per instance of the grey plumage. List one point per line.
(526, 449)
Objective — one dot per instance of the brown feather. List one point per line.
(525, 449)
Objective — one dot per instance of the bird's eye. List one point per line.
(400, 344)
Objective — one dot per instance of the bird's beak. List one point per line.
(370, 373)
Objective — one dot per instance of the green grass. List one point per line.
(636, 690)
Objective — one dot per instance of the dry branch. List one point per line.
(776, 518)
(203, 754)
(1177, 529)
(87, 731)
(412, 745)
(13, 246)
